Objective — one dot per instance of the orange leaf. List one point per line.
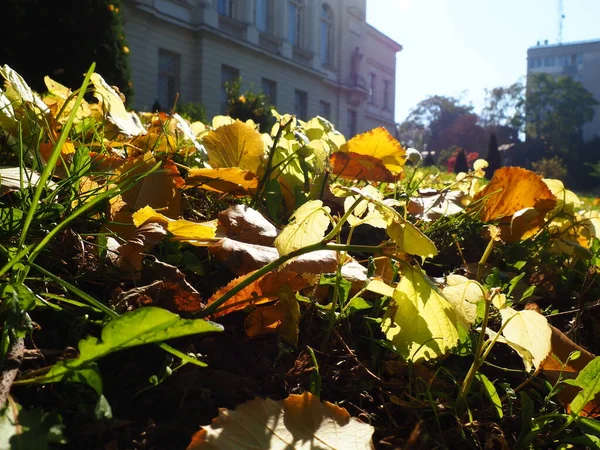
(230, 180)
(513, 189)
(352, 166)
(552, 367)
(375, 156)
(263, 290)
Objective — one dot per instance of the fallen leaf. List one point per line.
(354, 166)
(128, 123)
(283, 318)
(231, 180)
(307, 226)
(263, 290)
(431, 204)
(464, 295)
(527, 330)
(178, 297)
(559, 365)
(301, 422)
(421, 323)
(235, 145)
(10, 179)
(242, 223)
(130, 255)
(242, 257)
(375, 156)
(513, 189)
(194, 233)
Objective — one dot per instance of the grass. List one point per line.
(73, 384)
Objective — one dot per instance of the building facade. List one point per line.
(310, 57)
(579, 60)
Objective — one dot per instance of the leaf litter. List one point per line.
(305, 310)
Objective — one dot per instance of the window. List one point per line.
(225, 7)
(372, 85)
(295, 22)
(301, 104)
(325, 110)
(326, 25)
(228, 74)
(168, 78)
(351, 123)
(386, 95)
(580, 58)
(262, 15)
(269, 88)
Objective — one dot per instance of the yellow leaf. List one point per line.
(128, 123)
(421, 323)
(307, 226)
(409, 239)
(301, 422)
(527, 330)
(229, 179)
(235, 145)
(57, 97)
(380, 144)
(464, 295)
(200, 234)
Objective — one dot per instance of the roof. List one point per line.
(384, 38)
(564, 44)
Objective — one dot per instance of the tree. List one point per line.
(556, 110)
(493, 157)
(503, 112)
(439, 123)
(63, 39)
(461, 165)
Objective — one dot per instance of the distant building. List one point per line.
(579, 60)
(310, 57)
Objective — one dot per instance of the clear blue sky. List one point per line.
(461, 47)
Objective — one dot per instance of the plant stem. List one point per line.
(484, 258)
(478, 359)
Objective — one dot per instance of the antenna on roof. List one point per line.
(561, 17)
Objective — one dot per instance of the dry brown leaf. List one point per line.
(231, 180)
(241, 257)
(513, 189)
(263, 290)
(130, 254)
(160, 190)
(244, 224)
(432, 204)
(177, 297)
(301, 422)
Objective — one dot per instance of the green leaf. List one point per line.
(589, 381)
(142, 326)
(491, 392)
(307, 226)
(421, 323)
(29, 429)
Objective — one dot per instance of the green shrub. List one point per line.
(550, 168)
(248, 105)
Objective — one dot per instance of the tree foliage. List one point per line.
(556, 110)
(248, 105)
(493, 158)
(64, 38)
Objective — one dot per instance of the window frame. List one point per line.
(174, 76)
(301, 104)
(296, 38)
(326, 35)
(229, 70)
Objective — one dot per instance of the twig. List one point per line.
(351, 353)
(10, 367)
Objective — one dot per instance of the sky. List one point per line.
(460, 48)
